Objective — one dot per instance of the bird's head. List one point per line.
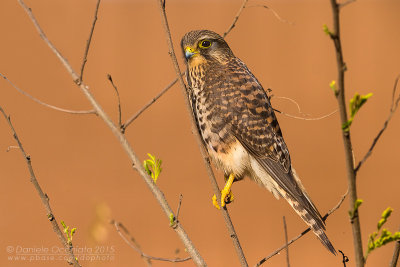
(204, 46)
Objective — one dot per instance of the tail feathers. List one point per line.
(313, 219)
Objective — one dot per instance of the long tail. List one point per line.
(309, 213)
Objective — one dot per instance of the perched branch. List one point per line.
(324, 218)
(89, 40)
(119, 100)
(393, 107)
(217, 192)
(45, 104)
(396, 253)
(136, 163)
(133, 244)
(340, 96)
(286, 242)
(43, 196)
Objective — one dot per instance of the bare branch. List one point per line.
(324, 218)
(154, 99)
(235, 19)
(119, 100)
(344, 258)
(348, 149)
(346, 3)
(11, 147)
(396, 253)
(136, 163)
(217, 192)
(89, 40)
(133, 244)
(286, 242)
(302, 113)
(179, 207)
(306, 119)
(43, 196)
(274, 13)
(92, 111)
(393, 107)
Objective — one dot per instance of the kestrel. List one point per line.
(238, 125)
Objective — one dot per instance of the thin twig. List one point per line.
(43, 196)
(286, 242)
(324, 218)
(299, 110)
(217, 192)
(306, 119)
(133, 244)
(346, 3)
(179, 207)
(136, 163)
(10, 147)
(344, 258)
(45, 104)
(119, 100)
(235, 19)
(396, 253)
(154, 99)
(348, 149)
(89, 40)
(393, 107)
(274, 13)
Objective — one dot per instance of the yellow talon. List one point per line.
(226, 192)
(215, 202)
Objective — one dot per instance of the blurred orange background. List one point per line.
(89, 179)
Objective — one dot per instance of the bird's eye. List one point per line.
(205, 44)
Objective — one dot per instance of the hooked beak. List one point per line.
(189, 52)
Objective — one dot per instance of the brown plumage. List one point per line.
(238, 126)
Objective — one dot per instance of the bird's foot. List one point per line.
(226, 193)
(225, 199)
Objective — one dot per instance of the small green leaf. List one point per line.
(153, 166)
(386, 213)
(355, 104)
(346, 125)
(171, 219)
(326, 30)
(385, 237)
(333, 86)
(73, 232)
(357, 204)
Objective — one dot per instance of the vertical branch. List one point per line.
(340, 96)
(228, 222)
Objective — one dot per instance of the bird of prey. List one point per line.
(238, 125)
